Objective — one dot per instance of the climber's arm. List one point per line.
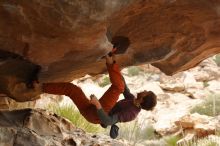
(127, 94)
(104, 118)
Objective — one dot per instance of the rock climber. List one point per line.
(107, 110)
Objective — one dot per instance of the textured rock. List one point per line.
(172, 35)
(7, 103)
(172, 83)
(40, 128)
(206, 71)
(67, 38)
(200, 125)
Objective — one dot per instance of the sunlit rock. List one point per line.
(66, 39)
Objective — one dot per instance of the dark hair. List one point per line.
(149, 101)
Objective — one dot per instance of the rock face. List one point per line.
(40, 128)
(196, 126)
(172, 35)
(201, 125)
(67, 38)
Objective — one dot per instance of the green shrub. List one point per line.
(207, 142)
(217, 59)
(205, 84)
(217, 132)
(171, 140)
(133, 71)
(105, 81)
(71, 113)
(132, 132)
(207, 107)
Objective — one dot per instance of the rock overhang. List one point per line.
(67, 38)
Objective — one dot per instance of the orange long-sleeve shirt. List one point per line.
(108, 100)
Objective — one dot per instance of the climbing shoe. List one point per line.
(114, 131)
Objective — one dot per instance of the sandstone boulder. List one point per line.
(199, 125)
(39, 128)
(67, 38)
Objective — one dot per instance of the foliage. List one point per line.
(217, 59)
(205, 84)
(171, 140)
(207, 142)
(133, 132)
(207, 107)
(105, 81)
(217, 132)
(133, 71)
(71, 113)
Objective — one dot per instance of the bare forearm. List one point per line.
(95, 101)
(98, 106)
(127, 94)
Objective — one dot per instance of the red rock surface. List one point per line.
(173, 35)
(67, 38)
